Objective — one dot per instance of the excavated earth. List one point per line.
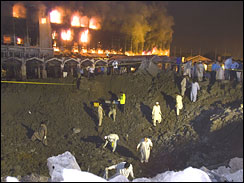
(207, 133)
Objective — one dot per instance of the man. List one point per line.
(187, 68)
(233, 67)
(179, 104)
(156, 114)
(113, 139)
(78, 82)
(115, 66)
(214, 68)
(220, 75)
(183, 85)
(178, 64)
(41, 134)
(200, 70)
(91, 71)
(228, 63)
(112, 111)
(100, 114)
(194, 87)
(145, 146)
(123, 168)
(122, 101)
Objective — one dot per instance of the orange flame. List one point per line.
(84, 21)
(75, 50)
(75, 20)
(66, 35)
(54, 35)
(55, 17)
(100, 51)
(19, 40)
(155, 51)
(56, 49)
(19, 11)
(94, 23)
(84, 36)
(84, 50)
(43, 20)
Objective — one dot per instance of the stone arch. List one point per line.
(86, 62)
(34, 66)
(54, 67)
(12, 67)
(70, 66)
(101, 66)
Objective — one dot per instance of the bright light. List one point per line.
(223, 66)
(84, 36)
(75, 20)
(19, 40)
(19, 11)
(94, 23)
(132, 69)
(75, 50)
(55, 17)
(54, 34)
(93, 51)
(56, 49)
(84, 21)
(205, 67)
(100, 51)
(84, 50)
(66, 35)
(43, 20)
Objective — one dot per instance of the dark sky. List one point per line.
(207, 25)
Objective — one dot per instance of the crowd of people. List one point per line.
(115, 69)
(192, 74)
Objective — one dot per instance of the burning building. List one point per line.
(37, 33)
(139, 29)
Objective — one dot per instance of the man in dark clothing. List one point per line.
(78, 83)
(41, 134)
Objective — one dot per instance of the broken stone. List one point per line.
(236, 164)
(56, 165)
(76, 130)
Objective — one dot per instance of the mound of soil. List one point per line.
(192, 139)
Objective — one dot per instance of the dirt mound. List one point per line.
(186, 140)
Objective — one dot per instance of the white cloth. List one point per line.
(179, 103)
(145, 147)
(115, 64)
(100, 111)
(91, 69)
(220, 74)
(194, 87)
(156, 113)
(187, 68)
(183, 86)
(123, 171)
(112, 137)
(200, 70)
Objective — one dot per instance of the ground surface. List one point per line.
(205, 133)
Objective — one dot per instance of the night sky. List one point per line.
(207, 25)
(203, 26)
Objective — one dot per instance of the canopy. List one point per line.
(198, 58)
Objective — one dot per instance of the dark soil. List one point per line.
(178, 142)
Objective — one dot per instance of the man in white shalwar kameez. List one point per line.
(194, 87)
(179, 104)
(145, 147)
(200, 70)
(156, 114)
